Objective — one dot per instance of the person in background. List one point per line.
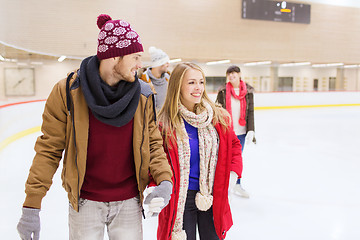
(237, 97)
(157, 75)
(205, 155)
(103, 117)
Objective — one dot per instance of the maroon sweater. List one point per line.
(110, 171)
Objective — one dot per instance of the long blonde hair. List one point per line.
(169, 116)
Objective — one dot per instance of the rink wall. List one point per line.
(273, 100)
(20, 119)
(278, 100)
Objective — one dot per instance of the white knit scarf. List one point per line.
(208, 147)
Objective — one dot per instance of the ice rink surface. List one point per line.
(303, 177)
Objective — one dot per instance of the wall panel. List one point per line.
(199, 30)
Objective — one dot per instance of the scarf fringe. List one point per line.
(181, 235)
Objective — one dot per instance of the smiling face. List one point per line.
(234, 78)
(127, 66)
(192, 88)
(116, 69)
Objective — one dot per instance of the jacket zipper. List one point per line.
(217, 154)
(76, 153)
(141, 156)
(174, 187)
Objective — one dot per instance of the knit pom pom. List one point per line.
(102, 19)
(181, 235)
(203, 203)
(152, 50)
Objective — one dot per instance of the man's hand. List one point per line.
(29, 224)
(159, 198)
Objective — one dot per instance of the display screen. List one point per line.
(278, 11)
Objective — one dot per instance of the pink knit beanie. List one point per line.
(116, 38)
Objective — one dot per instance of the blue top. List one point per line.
(194, 157)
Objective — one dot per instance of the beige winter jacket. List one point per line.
(59, 128)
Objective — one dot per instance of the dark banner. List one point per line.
(278, 11)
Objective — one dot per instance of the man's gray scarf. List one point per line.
(115, 106)
(157, 81)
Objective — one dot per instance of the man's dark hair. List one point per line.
(232, 68)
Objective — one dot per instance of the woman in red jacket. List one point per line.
(204, 153)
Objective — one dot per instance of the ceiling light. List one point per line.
(10, 60)
(257, 63)
(62, 58)
(319, 65)
(351, 66)
(37, 63)
(218, 62)
(328, 65)
(295, 64)
(2, 58)
(334, 64)
(175, 60)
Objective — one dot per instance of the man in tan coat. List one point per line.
(104, 119)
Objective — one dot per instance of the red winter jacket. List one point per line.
(229, 159)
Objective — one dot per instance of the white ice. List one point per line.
(303, 177)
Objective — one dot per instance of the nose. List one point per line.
(197, 86)
(139, 64)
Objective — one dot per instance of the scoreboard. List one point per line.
(278, 11)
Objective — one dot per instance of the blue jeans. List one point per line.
(242, 142)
